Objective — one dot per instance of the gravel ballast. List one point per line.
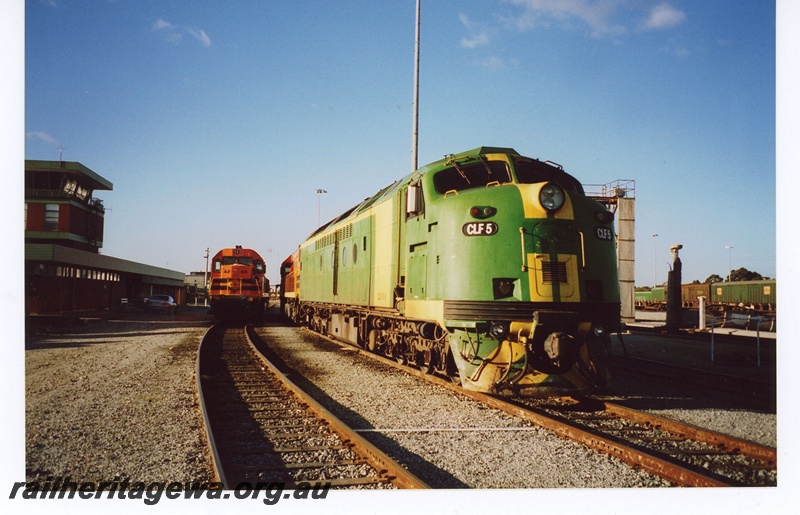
(118, 398)
(446, 439)
(115, 399)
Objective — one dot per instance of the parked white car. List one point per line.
(162, 303)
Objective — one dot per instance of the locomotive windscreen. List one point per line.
(532, 172)
(462, 177)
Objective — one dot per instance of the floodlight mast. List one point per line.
(415, 132)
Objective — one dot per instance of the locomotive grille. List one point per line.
(554, 272)
(323, 242)
(333, 237)
(346, 231)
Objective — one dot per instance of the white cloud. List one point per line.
(174, 34)
(475, 41)
(597, 14)
(162, 24)
(200, 35)
(43, 136)
(676, 49)
(605, 18)
(492, 63)
(664, 16)
(681, 51)
(477, 37)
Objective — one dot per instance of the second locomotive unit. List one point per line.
(238, 286)
(488, 267)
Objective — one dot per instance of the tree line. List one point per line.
(742, 274)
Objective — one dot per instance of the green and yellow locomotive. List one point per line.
(489, 267)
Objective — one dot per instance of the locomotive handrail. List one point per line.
(522, 234)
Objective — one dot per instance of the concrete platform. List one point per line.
(655, 321)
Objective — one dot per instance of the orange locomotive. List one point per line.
(290, 284)
(239, 285)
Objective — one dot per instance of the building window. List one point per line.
(51, 217)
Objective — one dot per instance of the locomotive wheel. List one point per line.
(454, 377)
(451, 370)
(426, 361)
(372, 340)
(393, 351)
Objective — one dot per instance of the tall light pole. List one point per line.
(205, 280)
(655, 259)
(730, 269)
(415, 130)
(319, 197)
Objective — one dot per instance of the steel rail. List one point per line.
(386, 466)
(665, 469)
(387, 470)
(757, 391)
(216, 462)
(768, 455)
(669, 470)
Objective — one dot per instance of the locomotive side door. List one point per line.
(400, 290)
(384, 248)
(335, 264)
(416, 243)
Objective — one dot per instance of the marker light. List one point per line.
(604, 217)
(552, 196)
(482, 211)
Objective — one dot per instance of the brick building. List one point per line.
(64, 270)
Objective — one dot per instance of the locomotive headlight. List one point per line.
(506, 287)
(552, 196)
(497, 330)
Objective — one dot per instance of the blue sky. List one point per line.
(217, 123)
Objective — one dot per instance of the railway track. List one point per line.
(684, 454)
(262, 429)
(681, 453)
(752, 390)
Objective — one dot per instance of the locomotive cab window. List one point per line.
(232, 260)
(532, 172)
(476, 175)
